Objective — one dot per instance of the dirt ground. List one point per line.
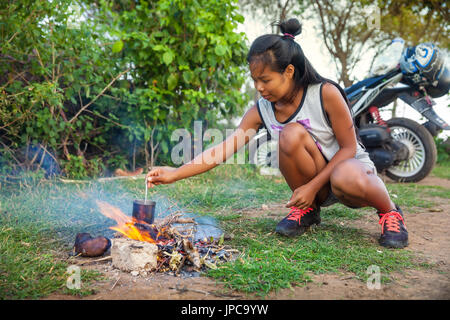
(429, 239)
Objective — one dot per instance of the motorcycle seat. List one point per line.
(357, 87)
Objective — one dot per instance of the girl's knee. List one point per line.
(291, 137)
(346, 177)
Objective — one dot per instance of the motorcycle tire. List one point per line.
(264, 154)
(422, 150)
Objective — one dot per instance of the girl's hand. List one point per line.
(160, 176)
(302, 197)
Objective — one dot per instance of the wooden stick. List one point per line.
(181, 265)
(114, 284)
(121, 177)
(184, 289)
(73, 181)
(98, 260)
(103, 179)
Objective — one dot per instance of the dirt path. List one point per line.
(429, 239)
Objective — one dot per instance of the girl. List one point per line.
(319, 154)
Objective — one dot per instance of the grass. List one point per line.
(30, 264)
(274, 262)
(39, 220)
(442, 170)
(414, 195)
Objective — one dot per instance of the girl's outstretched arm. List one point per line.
(213, 156)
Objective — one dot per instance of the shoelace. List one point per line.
(296, 214)
(391, 219)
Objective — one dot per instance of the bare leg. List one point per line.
(299, 158)
(355, 185)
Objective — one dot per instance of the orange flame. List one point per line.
(125, 224)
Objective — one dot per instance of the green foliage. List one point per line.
(188, 65)
(50, 72)
(112, 85)
(415, 21)
(443, 150)
(78, 168)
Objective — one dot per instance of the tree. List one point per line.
(271, 10)
(348, 32)
(416, 21)
(344, 30)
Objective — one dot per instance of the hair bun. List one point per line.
(291, 26)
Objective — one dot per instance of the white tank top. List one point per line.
(311, 114)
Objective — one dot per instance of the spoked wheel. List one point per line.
(266, 155)
(421, 149)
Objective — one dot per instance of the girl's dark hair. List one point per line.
(278, 51)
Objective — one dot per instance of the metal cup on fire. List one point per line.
(144, 210)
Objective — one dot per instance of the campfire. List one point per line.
(167, 245)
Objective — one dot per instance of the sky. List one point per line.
(314, 49)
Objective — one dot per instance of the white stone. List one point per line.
(143, 273)
(132, 255)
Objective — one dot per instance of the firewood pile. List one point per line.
(177, 250)
(168, 245)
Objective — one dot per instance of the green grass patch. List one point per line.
(30, 266)
(438, 191)
(412, 195)
(339, 211)
(442, 170)
(271, 262)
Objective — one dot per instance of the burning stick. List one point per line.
(173, 218)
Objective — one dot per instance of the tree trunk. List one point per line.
(394, 109)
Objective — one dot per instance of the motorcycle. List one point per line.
(400, 147)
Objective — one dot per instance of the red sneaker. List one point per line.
(298, 221)
(393, 229)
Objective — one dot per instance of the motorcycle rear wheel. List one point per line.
(265, 156)
(422, 150)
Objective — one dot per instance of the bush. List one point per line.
(111, 88)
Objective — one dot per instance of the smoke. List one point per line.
(61, 210)
(120, 194)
